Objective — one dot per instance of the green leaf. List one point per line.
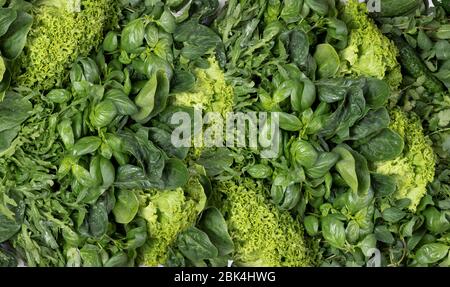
(387, 145)
(289, 122)
(183, 81)
(59, 96)
(327, 60)
(7, 17)
(319, 6)
(436, 221)
(352, 231)
(14, 110)
(362, 172)
(98, 220)
(196, 245)
(152, 99)
(424, 41)
(90, 254)
(119, 259)
(311, 225)
(126, 207)
(13, 42)
(11, 217)
(2, 69)
(291, 10)
(376, 93)
(374, 122)
(407, 229)
(175, 173)
(431, 253)
(393, 214)
(346, 167)
(151, 35)
(384, 235)
(123, 103)
(442, 50)
(443, 32)
(333, 231)
(303, 153)
(383, 185)
(167, 21)
(260, 171)
(368, 244)
(103, 114)
(6, 139)
(133, 36)
(82, 175)
(111, 42)
(324, 163)
(86, 145)
(108, 172)
(213, 224)
(298, 46)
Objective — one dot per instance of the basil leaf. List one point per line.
(431, 253)
(333, 231)
(393, 214)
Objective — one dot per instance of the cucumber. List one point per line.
(394, 8)
(412, 63)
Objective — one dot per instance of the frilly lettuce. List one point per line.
(167, 214)
(58, 36)
(263, 235)
(415, 168)
(211, 93)
(369, 52)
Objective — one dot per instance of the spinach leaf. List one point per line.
(126, 207)
(372, 123)
(175, 174)
(98, 219)
(213, 224)
(14, 110)
(11, 219)
(195, 245)
(383, 185)
(327, 61)
(346, 167)
(13, 42)
(387, 145)
(7, 17)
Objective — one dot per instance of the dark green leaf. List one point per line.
(86, 145)
(387, 145)
(431, 253)
(175, 174)
(196, 245)
(133, 36)
(13, 42)
(311, 225)
(215, 226)
(333, 231)
(98, 220)
(393, 214)
(384, 235)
